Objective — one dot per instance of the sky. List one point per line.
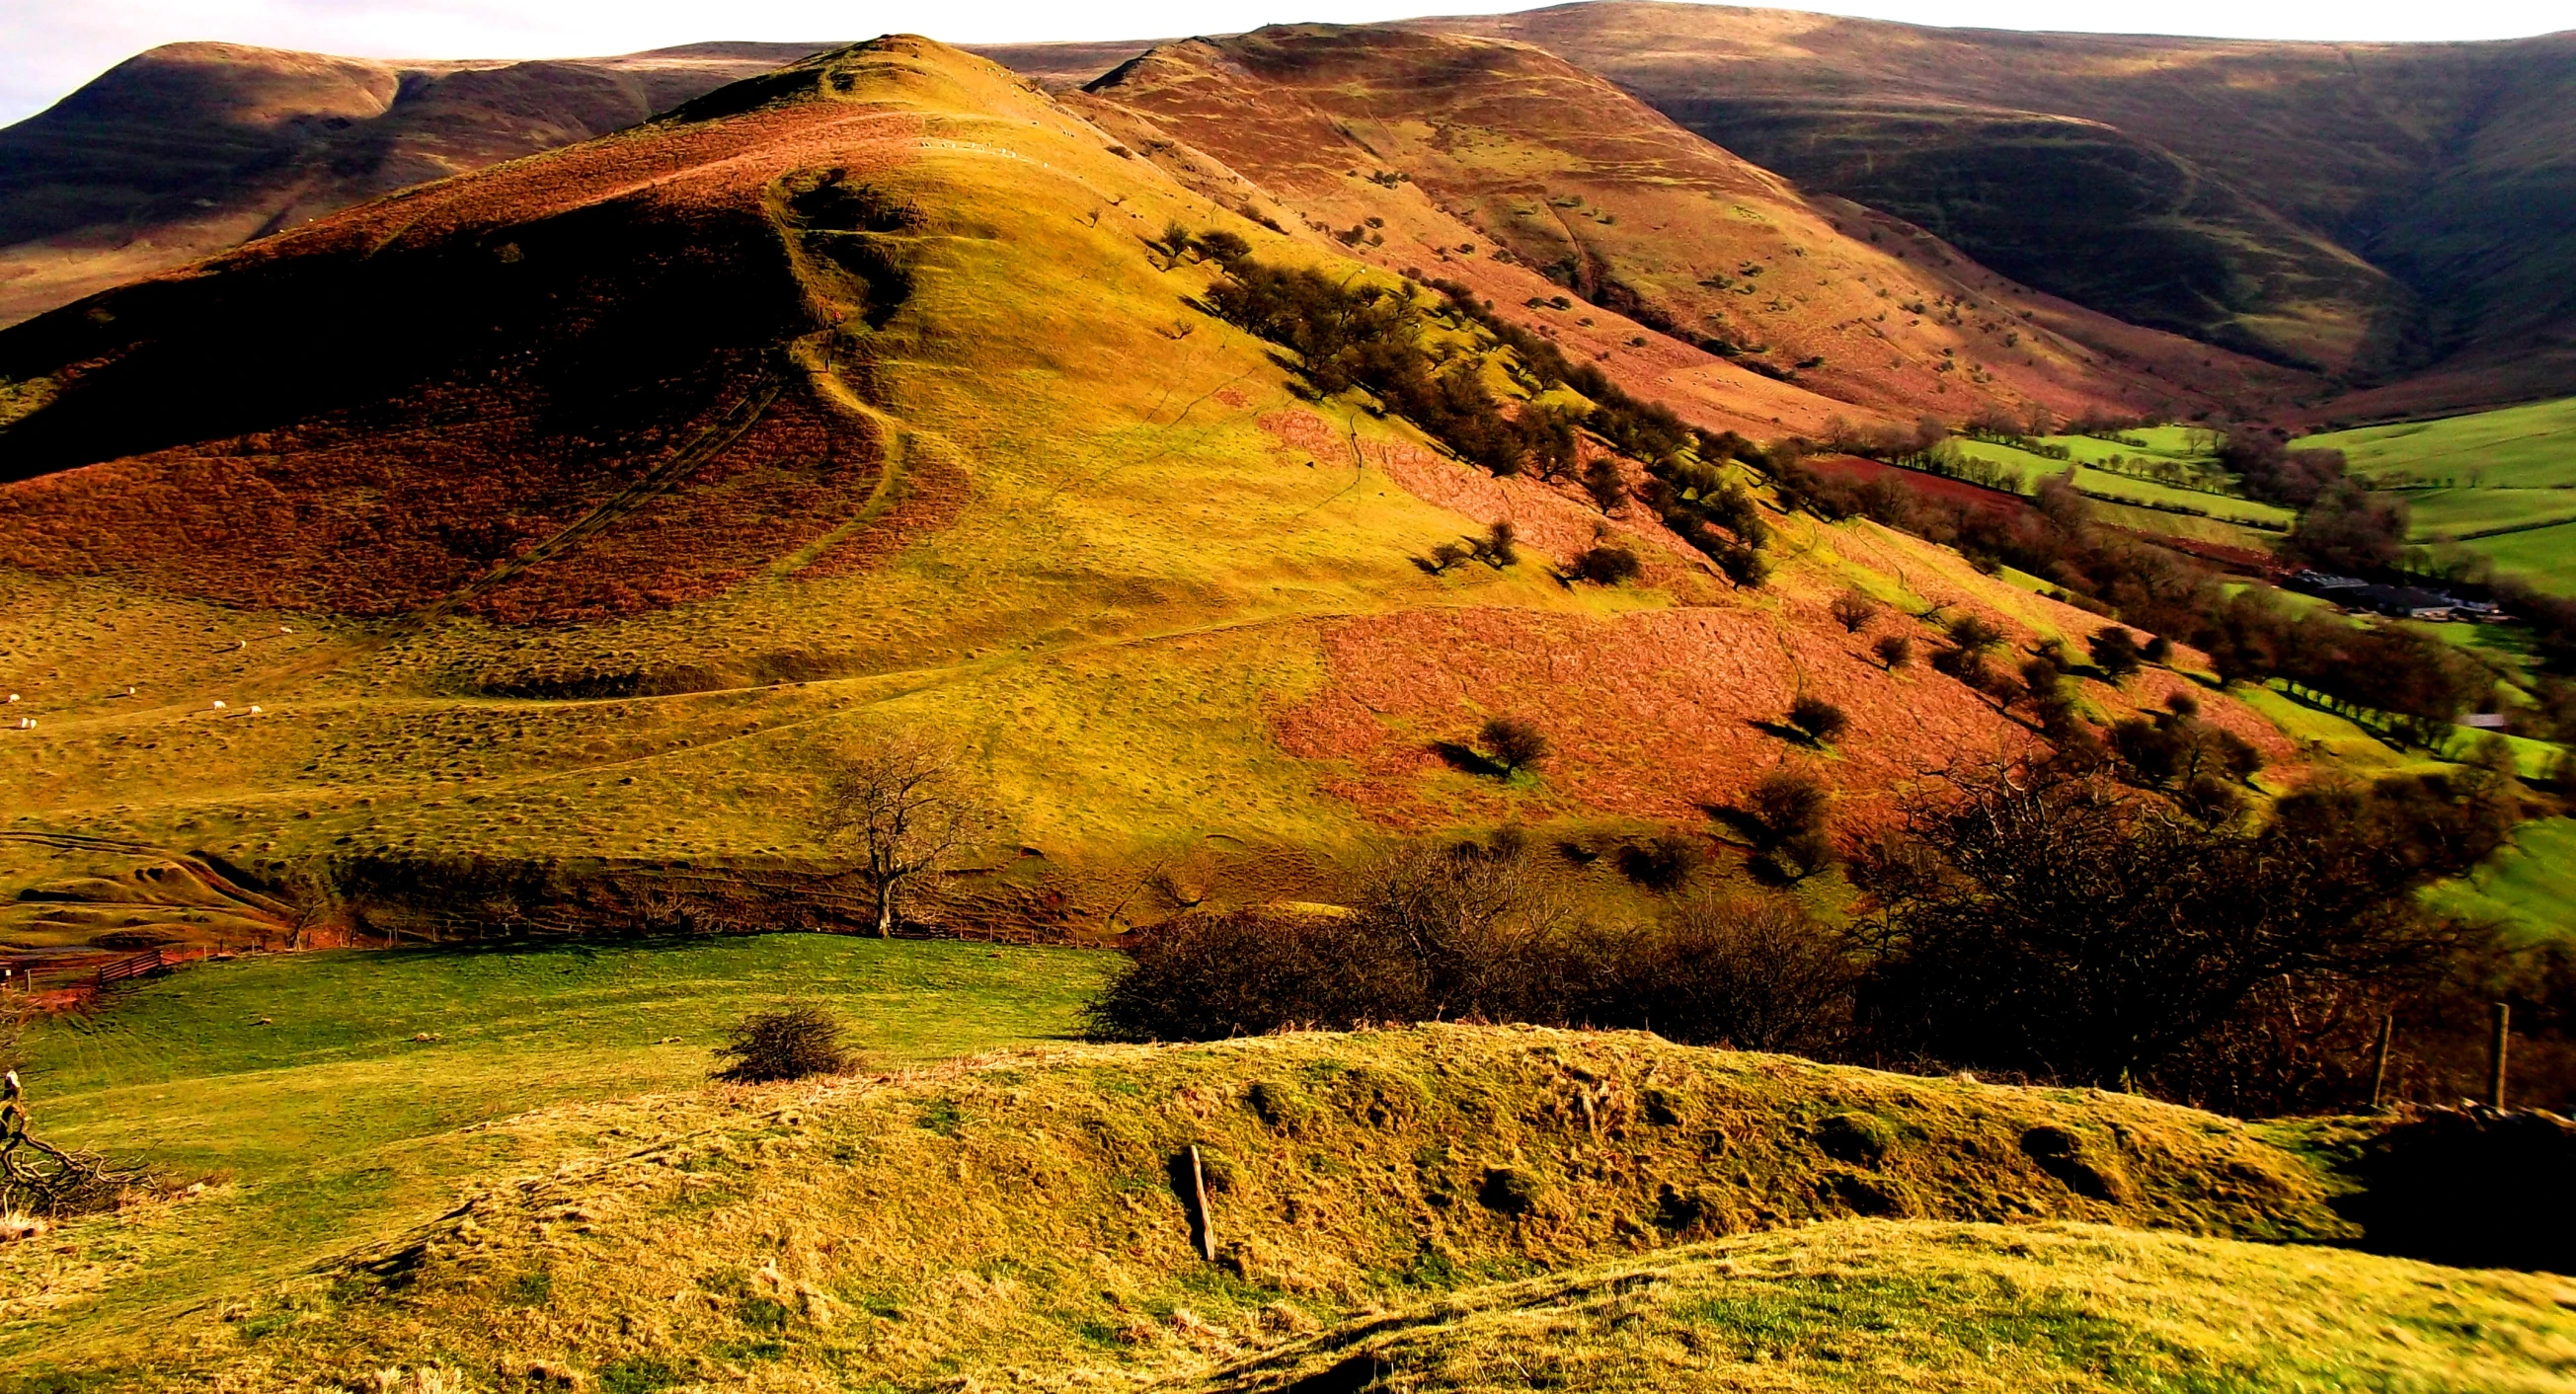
(53, 46)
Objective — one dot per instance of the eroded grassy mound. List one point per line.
(1023, 1211)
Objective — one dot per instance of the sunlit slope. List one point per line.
(2373, 209)
(1016, 1218)
(1508, 153)
(854, 397)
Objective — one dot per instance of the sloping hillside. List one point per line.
(1023, 1219)
(1506, 153)
(567, 513)
(2375, 210)
(193, 148)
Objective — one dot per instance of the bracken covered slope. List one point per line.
(2377, 211)
(1509, 154)
(188, 149)
(572, 510)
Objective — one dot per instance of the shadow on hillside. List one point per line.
(1466, 760)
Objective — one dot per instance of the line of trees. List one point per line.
(2041, 921)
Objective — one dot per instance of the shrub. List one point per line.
(1753, 972)
(1973, 633)
(790, 1043)
(1663, 861)
(1497, 549)
(1819, 719)
(1601, 480)
(1513, 743)
(1743, 565)
(2045, 920)
(2159, 649)
(2115, 652)
(1607, 566)
(1789, 811)
(1894, 651)
(1447, 555)
(1853, 611)
(1224, 248)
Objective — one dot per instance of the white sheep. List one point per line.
(219, 706)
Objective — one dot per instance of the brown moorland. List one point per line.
(1505, 167)
(2379, 211)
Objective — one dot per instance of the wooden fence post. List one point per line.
(2496, 1054)
(1198, 1203)
(2379, 1072)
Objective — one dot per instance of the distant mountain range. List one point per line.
(2395, 220)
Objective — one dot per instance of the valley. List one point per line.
(1635, 696)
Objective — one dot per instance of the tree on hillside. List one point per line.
(902, 806)
(1514, 743)
(2047, 920)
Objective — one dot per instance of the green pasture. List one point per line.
(298, 1086)
(2525, 447)
(2530, 889)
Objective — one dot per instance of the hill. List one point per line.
(1387, 1208)
(2375, 211)
(860, 397)
(1506, 166)
(190, 149)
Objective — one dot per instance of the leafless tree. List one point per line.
(903, 807)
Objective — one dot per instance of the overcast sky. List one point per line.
(53, 46)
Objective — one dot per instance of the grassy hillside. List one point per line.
(2371, 209)
(301, 1087)
(1453, 154)
(1017, 1210)
(860, 399)
(190, 149)
(2501, 484)
(1867, 1305)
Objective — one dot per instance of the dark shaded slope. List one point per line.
(2374, 209)
(189, 149)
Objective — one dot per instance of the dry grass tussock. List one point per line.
(1020, 1211)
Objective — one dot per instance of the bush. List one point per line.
(1498, 549)
(1513, 743)
(1973, 633)
(1853, 611)
(1601, 480)
(1894, 651)
(1751, 972)
(2044, 920)
(1789, 810)
(1607, 566)
(790, 1043)
(2115, 652)
(1819, 719)
(1743, 565)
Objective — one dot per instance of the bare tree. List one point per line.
(903, 808)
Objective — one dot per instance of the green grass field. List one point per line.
(2229, 519)
(2530, 890)
(294, 1084)
(2508, 474)
(2526, 447)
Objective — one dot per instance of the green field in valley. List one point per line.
(296, 1085)
(2501, 484)
(2526, 447)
